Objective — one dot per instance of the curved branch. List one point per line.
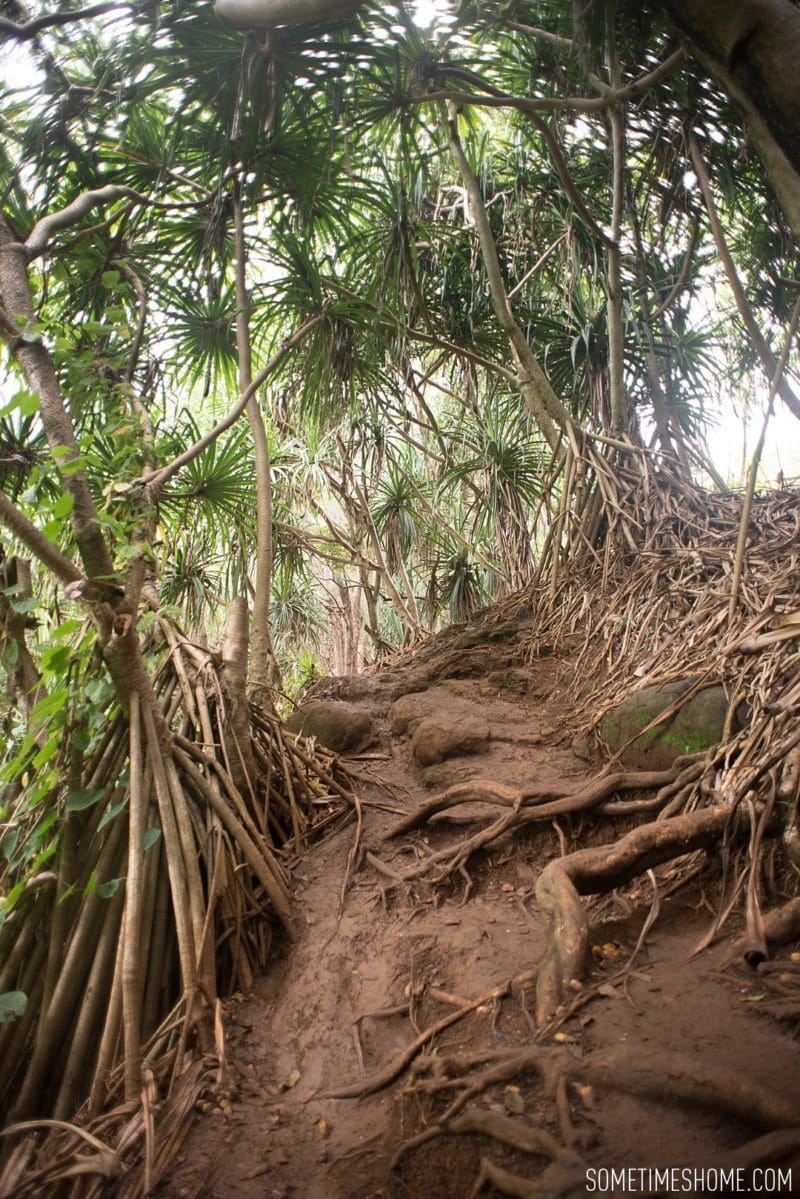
(537, 391)
(44, 230)
(765, 354)
(542, 35)
(496, 98)
(155, 480)
(37, 543)
(529, 108)
(388, 320)
(29, 29)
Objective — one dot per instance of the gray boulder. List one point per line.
(696, 726)
(337, 725)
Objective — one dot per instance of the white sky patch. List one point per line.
(427, 13)
(732, 440)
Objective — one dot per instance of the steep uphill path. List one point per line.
(660, 1061)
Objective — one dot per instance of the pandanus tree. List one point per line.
(485, 239)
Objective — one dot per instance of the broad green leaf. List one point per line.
(78, 800)
(113, 812)
(63, 505)
(151, 835)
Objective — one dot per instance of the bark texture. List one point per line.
(752, 48)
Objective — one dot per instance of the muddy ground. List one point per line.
(376, 964)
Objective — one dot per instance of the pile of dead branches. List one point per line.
(163, 891)
(690, 584)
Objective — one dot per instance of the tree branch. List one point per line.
(765, 354)
(388, 320)
(552, 144)
(34, 358)
(29, 29)
(543, 35)
(155, 480)
(49, 225)
(543, 403)
(496, 98)
(34, 540)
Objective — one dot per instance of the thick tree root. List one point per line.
(523, 806)
(602, 869)
(676, 1079)
(670, 1078)
(537, 801)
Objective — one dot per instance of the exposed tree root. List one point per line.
(557, 1182)
(151, 912)
(674, 1078)
(376, 1082)
(602, 869)
(532, 802)
(524, 806)
(678, 1079)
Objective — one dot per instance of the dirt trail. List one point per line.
(335, 1008)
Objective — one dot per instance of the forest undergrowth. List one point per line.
(673, 591)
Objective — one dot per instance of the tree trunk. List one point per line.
(752, 48)
(19, 317)
(261, 668)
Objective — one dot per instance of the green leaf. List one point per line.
(12, 1006)
(66, 629)
(25, 605)
(151, 835)
(110, 279)
(47, 752)
(110, 888)
(98, 691)
(72, 468)
(28, 403)
(8, 842)
(56, 659)
(63, 505)
(18, 400)
(79, 799)
(112, 813)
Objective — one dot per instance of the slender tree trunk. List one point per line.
(616, 328)
(262, 669)
(19, 317)
(234, 673)
(543, 403)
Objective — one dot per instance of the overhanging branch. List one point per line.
(34, 540)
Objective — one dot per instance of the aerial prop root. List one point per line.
(560, 886)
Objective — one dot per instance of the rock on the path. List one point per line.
(696, 726)
(335, 724)
(434, 740)
(441, 702)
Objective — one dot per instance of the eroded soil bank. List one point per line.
(378, 963)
